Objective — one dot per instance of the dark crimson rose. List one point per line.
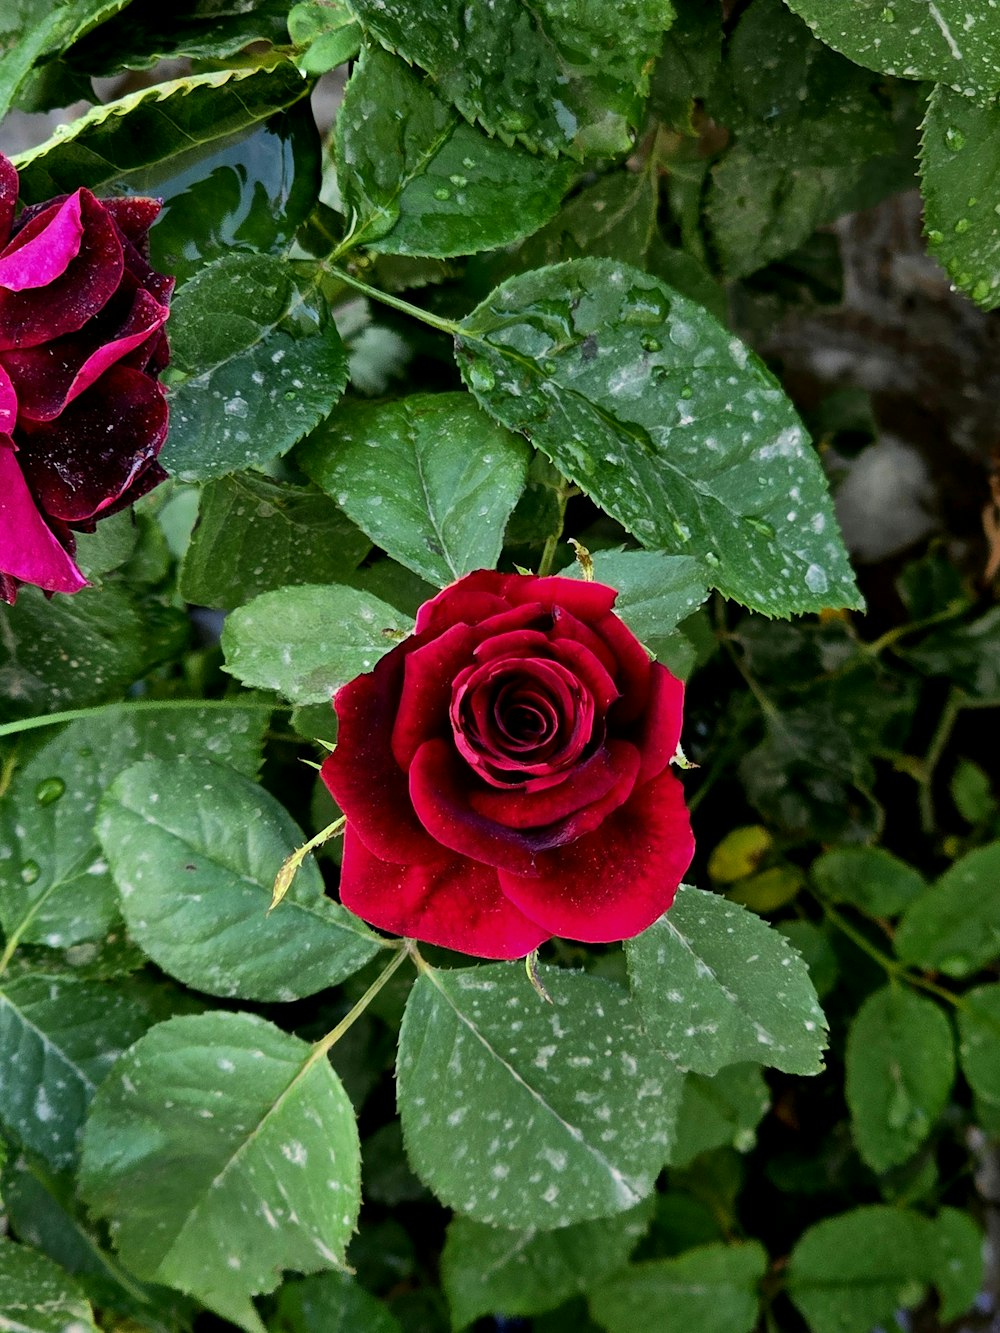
(82, 416)
(505, 772)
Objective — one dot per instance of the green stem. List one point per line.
(548, 553)
(136, 706)
(892, 636)
(325, 1043)
(448, 326)
(726, 639)
(942, 734)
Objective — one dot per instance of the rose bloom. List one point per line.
(82, 417)
(505, 772)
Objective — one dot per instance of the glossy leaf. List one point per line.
(712, 1289)
(420, 181)
(255, 534)
(979, 1033)
(655, 591)
(563, 80)
(54, 883)
(952, 41)
(257, 362)
(900, 1069)
(456, 476)
(30, 29)
(617, 379)
(331, 1303)
(194, 849)
(308, 641)
(58, 1039)
(36, 1296)
(486, 1270)
(959, 171)
(717, 986)
(720, 1112)
(869, 878)
(523, 1114)
(223, 1151)
(955, 926)
(326, 32)
(153, 124)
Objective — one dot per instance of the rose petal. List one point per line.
(658, 731)
(8, 404)
(147, 480)
(454, 903)
(66, 303)
(425, 695)
(580, 799)
(485, 592)
(91, 454)
(134, 215)
(8, 197)
(633, 668)
(362, 775)
(617, 880)
(47, 253)
(29, 549)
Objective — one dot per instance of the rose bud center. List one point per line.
(517, 719)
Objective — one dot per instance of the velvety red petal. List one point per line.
(616, 881)
(611, 770)
(633, 668)
(29, 549)
(8, 197)
(658, 732)
(84, 460)
(147, 480)
(134, 214)
(47, 253)
(425, 695)
(66, 303)
(8, 404)
(473, 598)
(454, 903)
(363, 777)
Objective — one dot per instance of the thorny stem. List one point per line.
(332, 1037)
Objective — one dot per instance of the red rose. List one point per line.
(505, 772)
(82, 417)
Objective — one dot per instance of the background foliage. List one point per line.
(515, 298)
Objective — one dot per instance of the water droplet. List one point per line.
(954, 138)
(981, 290)
(962, 225)
(686, 391)
(49, 790)
(761, 525)
(972, 201)
(651, 344)
(935, 237)
(659, 374)
(30, 872)
(290, 396)
(458, 181)
(816, 580)
(550, 367)
(888, 15)
(712, 559)
(442, 192)
(481, 377)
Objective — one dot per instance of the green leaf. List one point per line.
(326, 34)
(952, 41)
(900, 1070)
(712, 1289)
(813, 943)
(155, 123)
(523, 1114)
(194, 849)
(959, 1262)
(306, 642)
(36, 1296)
(720, 1112)
(68, 652)
(331, 1303)
(617, 379)
(960, 179)
(562, 79)
(30, 29)
(687, 68)
(58, 1039)
(262, 363)
(979, 1038)
(54, 884)
(717, 986)
(419, 181)
(972, 792)
(967, 654)
(223, 1150)
(255, 534)
(655, 591)
(869, 878)
(851, 1272)
(955, 926)
(456, 476)
(487, 1271)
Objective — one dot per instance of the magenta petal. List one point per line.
(8, 197)
(86, 458)
(134, 215)
(48, 253)
(29, 550)
(614, 882)
(8, 404)
(454, 903)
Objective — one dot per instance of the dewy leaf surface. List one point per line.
(667, 421)
(194, 849)
(420, 181)
(36, 1296)
(456, 476)
(960, 178)
(564, 78)
(655, 591)
(58, 1039)
(949, 41)
(33, 28)
(717, 986)
(224, 1150)
(955, 926)
(257, 362)
(520, 1113)
(307, 641)
(54, 883)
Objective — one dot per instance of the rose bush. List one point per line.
(505, 772)
(82, 416)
